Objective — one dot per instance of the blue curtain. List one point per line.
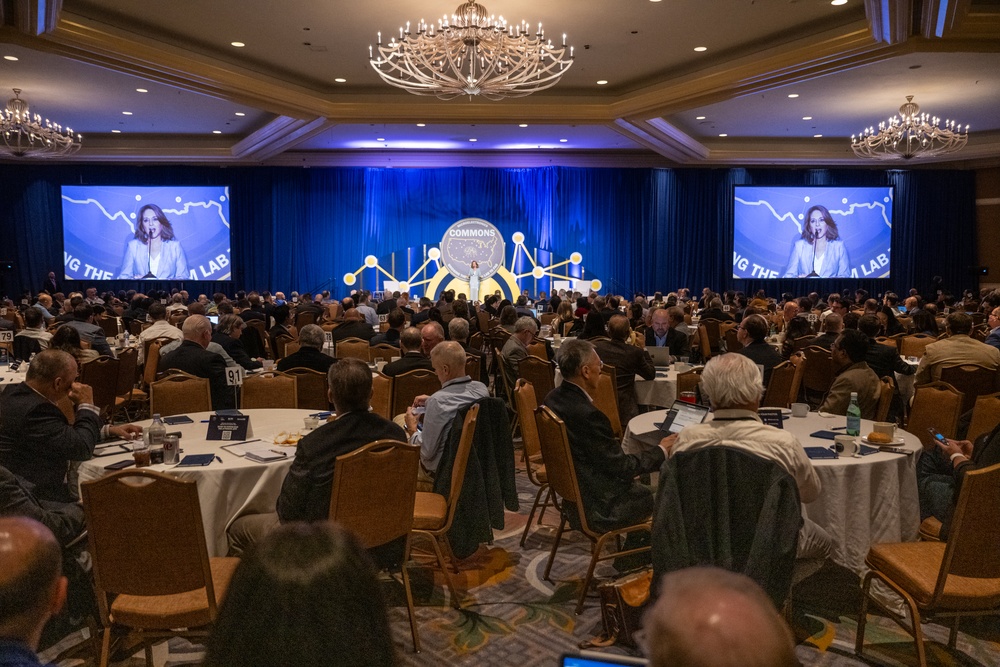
(637, 229)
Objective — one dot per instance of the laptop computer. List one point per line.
(682, 414)
(660, 356)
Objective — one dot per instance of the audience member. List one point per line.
(431, 335)
(959, 348)
(310, 353)
(883, 359)
(44, 307)
(353, 326)
(628, 361)
(33, 330)
(412, 359)
(160, 328)
(68, 340)
(459, 330)
(397, 321)
(516, 347)
(752, 334)
(663, 331)
(228, 336)
(83, 322)
(853, 375)
(192, 358)
(833, 325)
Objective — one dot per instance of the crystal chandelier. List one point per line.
(472, 53)
(24, 134)
(911, 134)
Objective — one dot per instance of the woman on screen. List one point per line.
(819, 253)
(474, 281)
(154, 253)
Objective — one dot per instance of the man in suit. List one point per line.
(882, 359)
(354, 326)
(396, 320)
(458, 329)
(412, 359)
(994, 322)
(192, 357)
(388, 303)
(83, 322)
(833, 325)
(310, 353)
(37, 442)
(431, 335)
(663, 332)
(628, 361)
(752, 334)
(611, 496)
(423, 313)
(516, 347)
(853, 375)
(51, 284)
(956, 350)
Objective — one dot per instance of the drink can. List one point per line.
(171, 450)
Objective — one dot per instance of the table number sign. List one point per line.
(234, 376)
(6, 336)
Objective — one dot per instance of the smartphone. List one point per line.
(936, 434)
(120, 465)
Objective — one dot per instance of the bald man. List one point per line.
(32, 588)
(354, 326)
(192, 357)
(709, 617)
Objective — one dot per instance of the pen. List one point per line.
(277, 452)
(218, 458)
(246, 441)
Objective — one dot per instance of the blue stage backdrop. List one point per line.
(637, 229)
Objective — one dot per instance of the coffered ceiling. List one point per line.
(301, 91)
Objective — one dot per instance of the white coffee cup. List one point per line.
(800, 409)
(847, 445)
(379, 365)
(885, 427)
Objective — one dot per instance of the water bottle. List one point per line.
(854, 416)
(156, 433)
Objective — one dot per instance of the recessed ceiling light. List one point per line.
(654, 0)
(473, 140)
(421, 124)
(562, 141)
(699, 49)
(723, 135)
(238, 45)
(817, 136)
(10, 58)
(240, 113)
(838, 3)
(523, 125)
(340, 80)
(602, 82)
(807, 118)
(699, 118)
(141, 90)
(126, 113)
(793, 95)
(380, 139)
(216, 131)
(116, 131)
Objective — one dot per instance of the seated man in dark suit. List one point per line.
(611, 496)
(310, 352)
(83, 322)
(282, 322)
(412, 359)
(752, 334)
(37, 442)
(192, 357)
(663, 332)
(64, 519)
(882, 359)
(396, 320)
(628, 361)
(305, 493)
(833, 326)
(353, 326)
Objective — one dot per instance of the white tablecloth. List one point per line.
(865, 500)
(661, 391)
(233, 487)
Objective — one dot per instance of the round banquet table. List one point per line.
(864, 500)
(229, 488)
(661, 391)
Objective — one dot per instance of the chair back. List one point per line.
(461, 463)
(985, 416)
(937, 405)
(526, 403)
(178, 394)
(566, 326)
(802, 342)
(264, 341)
(540, 373)
(888, 389)
(476, 341)
(558, 459)
(291, 347)
(472, 366)
(383, 352)
(688, 380)
(972, 380)
(135, 327)
(537, 349)
(152, 363)
(818, 374)
(109, 325)
(733, 343)
(146, 537)
(25, 346)
(280, 341)
(409, 385)
(913, 346)
(606, 398)
(546, 318)
(973, 549)
(374, 489)
(128, 366)
(304, 318)
(354, 348)
(102, 375)
(779, 388)
(484, 320)
(310, 388)
(269, 390)
(146, 344)
(382, 395)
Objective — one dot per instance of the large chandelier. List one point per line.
(24, 134)
(472, 53)
(911, 134)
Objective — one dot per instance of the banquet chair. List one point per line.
(537, 349)
(86, 344)
(177, 318)
(153, 577)
(606, 398)
(263, 340)
(433, 514)
(802, 342)
(972, 380)
(102, 375)
(483, 318)
(382, 395)
(310, 389)
(540, 373)
(688, 381)
(960, 577)
(352, 348)
(886, 392)
(23, 347)
(178, 394)
(304, 318)
(472, 366)
(109, 325)
(733, 343)
(985, 416)
(269, 390)
(818, 376)
(524, 397)
(280, 341)
(476, 341)
(135, 327)
(546, 318)
(146, 344)
(373, 494)
(937, 405)
(409, 385)
(781, 389)
(383, 352)
(888, 342)
(125, 391)
(291, 347)
(561, 476)
(913, 346)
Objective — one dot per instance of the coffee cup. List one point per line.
(887, 428)
(379, 365)
(846, 445)
(311, 422)
(800, 409)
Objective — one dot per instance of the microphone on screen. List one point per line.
(149, 258)
(813, 274)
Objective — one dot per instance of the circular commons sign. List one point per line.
(468, 240)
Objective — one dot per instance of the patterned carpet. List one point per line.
(511, 616)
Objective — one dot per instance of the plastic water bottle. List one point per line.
(157, 431)
(854, 416)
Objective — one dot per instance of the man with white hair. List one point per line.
(733, 386)
(192, 357)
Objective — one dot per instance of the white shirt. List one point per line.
(159, 329)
